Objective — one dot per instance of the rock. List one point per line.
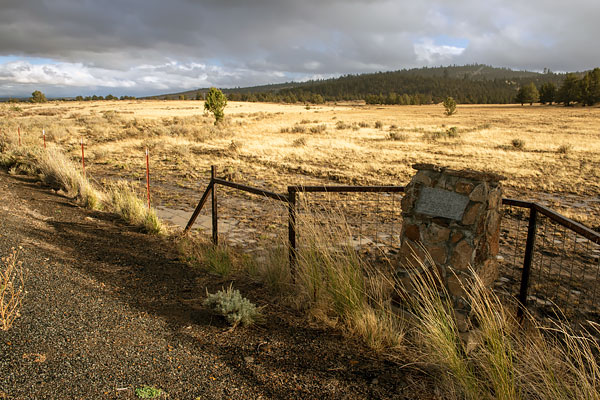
(464, 187)
(412, 232)
(471, 214)
(462, 257)
(479, 194)
(438, 254)
(436, 233)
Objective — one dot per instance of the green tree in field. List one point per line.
(215, 103)
(589, 87)
(547, 93)
(38, 97)
(528, 94)
(569, 91)
(449, 106)
(199, 96)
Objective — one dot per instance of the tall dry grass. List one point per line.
(56, 169)
(498, 358)
(332, 283)
(124, 201)
(12, 289)
(59, 171)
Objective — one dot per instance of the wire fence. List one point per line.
(548, 262)
(372, 219)
(564, 274)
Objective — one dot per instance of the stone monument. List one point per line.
(455, 216)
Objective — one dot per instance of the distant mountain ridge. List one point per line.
(474, 83)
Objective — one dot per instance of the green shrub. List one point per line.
(148, 392)
(233, 306)
(449, 106)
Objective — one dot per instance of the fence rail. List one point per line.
(539, 246)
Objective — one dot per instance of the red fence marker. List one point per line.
(82, 158)
(148, 178)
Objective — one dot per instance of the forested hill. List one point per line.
(467, 84)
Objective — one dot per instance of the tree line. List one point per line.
(471, 84)
(584, 90)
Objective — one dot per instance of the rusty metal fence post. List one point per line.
(292, 229)
(215, 220)
(529, 248)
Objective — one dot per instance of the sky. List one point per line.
(146, 47)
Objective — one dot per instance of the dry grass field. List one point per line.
(548, 154)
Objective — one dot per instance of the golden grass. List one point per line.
(373, 145)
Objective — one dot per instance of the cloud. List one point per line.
(179, 44)
(431, 54)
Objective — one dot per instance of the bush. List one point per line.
(318, 128)
(300, 142)
(235, 308)
(518, 144)
(298, 129)
(452, 132)
(397, 136)
(378, 125)
(564, 149)
(341, 125)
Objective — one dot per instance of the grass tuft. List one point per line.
(124, 201)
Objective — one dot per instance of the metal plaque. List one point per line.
(441, 203)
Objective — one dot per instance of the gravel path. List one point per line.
(109, 309)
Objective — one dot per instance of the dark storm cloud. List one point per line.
(155, 45)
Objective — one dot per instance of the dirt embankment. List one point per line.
(109, 309)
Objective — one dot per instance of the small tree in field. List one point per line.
(38, 97)
(215, 103)
(449, 106)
